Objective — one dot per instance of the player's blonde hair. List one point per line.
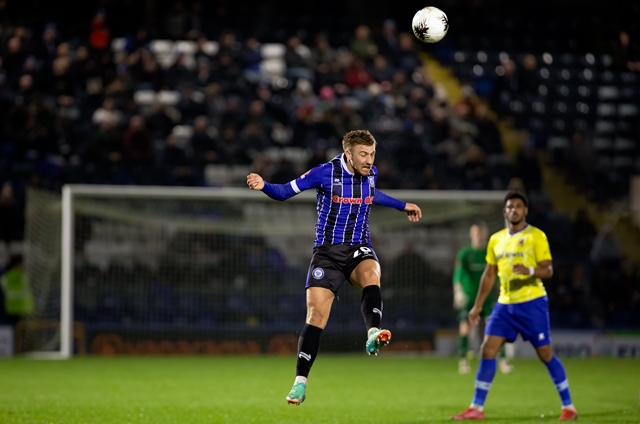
(353, 138)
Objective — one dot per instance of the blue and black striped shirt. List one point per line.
(343, 201)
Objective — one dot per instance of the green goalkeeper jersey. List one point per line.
(470, 264)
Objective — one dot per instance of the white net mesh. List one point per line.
(175, 268)
(41, 330)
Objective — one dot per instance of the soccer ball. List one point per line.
(430, 24)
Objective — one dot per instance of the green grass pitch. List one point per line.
(342, 389)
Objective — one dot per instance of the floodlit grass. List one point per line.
(342, 389)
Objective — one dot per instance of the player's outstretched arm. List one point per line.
(413, 211)
(310, 179)
(275, 191)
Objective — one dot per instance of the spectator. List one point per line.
(505, 87)
(298, 61)
(136, 141)
(322, 54)
(204, 142)
(251, 58)
(100, 36)
(527, 76)
(407, 57)
(388, 44)
(381, 71)
(107, 113)
(357, 76)
(626, 53)
(362, 47)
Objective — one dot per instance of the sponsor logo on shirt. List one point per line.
(352, 200)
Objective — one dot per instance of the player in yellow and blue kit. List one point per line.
(521, 257)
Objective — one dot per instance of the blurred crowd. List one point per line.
(70, 113)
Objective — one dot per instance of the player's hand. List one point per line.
(413, 212)
(520, 269)
(474, 316)
(459, 298)
(255, 182)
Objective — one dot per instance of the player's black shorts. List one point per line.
(332, 265)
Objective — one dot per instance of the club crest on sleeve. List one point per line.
(305, 174)
(317, 273)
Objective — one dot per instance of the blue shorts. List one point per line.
(529, 319)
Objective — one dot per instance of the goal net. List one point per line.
(145, 270)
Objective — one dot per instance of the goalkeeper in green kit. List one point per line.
(470, 264)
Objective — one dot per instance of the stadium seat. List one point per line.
(165, 60)
(586, 75)
(625, 145)
(603, 146)
(216, 175)
(607, 77)
(168, 97)
(627, 127)
(183, 134)
(557, 142)
(585, 91)
(603, 162)
(629, 93)
(162, 47)
(627, 110)
(608, 92)
(623, 163)
(587, 60)
(567, 59)
(144, 97)
(273, 68)
(211, 47)
(186, 47)
(605, 127)
(118, 45)
(606, 110)
(629, 77)
(272, 51)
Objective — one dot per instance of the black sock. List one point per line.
(308, 346)
(371, 306)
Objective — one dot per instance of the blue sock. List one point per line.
(484, 377)
(559, 377)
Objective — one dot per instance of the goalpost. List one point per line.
(164, 263)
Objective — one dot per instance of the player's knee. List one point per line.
(488, 350)
(316, 320)
(545, 353)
